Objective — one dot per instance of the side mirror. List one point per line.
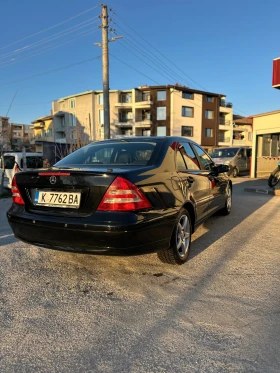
(220, 169)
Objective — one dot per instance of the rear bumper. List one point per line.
(134, 239)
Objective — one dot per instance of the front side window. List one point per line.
(208, 132)
(32, 162)
(187, 111)
(189, 157)
(187, 131)
(209, 114)
(161, 95)
(9, 162)
(204, 158)
(161, 113)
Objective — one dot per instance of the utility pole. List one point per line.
(105, 68)
(105, 72)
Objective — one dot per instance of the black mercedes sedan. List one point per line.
(121, 197)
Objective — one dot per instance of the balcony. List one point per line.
(124, 122)
(225, 107)
(125, 100)
(223, 103)
(224, 124)
(39, 125)
(145, 101)
(224, 140)
(143, 120)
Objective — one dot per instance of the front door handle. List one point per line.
(190, 179)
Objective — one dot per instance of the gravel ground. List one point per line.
(64, 312)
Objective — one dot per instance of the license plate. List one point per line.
(57, 199)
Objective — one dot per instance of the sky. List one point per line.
(47, 50)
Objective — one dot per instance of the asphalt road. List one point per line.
(64, 312)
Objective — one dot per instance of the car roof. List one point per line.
(145, 138)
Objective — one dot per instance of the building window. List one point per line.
(125, 97)
(161, 95)
(208, 132)
(161, 131)
(73, 120)
(100, 99)
(209, 114)
(187, 95)
(101, 116)
(161, 113)
(72, 103)
(187, 131)
(48, 132)
(209, 98)
(187, 111)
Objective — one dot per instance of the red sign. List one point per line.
(276, 73)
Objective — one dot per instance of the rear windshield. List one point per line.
(9, 161)
(114, 153)
(224, 153)
(32, 162)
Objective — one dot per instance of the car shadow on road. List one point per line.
(218, 226)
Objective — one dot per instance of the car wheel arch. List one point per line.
(190, 208)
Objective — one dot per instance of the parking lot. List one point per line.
(65, 312)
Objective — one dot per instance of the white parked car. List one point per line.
(14, 163)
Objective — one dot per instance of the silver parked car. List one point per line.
(237, 158)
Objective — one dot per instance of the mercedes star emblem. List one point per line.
(52, 179)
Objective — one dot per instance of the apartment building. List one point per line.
(202, 116)
(242, 131)
(173, 110)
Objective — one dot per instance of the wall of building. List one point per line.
(267, 124)
(178, 120)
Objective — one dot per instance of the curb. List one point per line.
(273, 192)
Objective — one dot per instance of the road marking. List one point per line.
(7, 235)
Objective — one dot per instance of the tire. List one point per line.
(235, 172)
(180, 242)
(228, 203)
(274, 178)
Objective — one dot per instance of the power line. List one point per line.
(151, 56)
(160, 52)
(50, 28)
(50, 71)
(133, 68)
(235, 108)
(84, 33)
(50, 38)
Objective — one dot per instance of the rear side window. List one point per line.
(32, 162)
(9, 161)
(115, 153)
(204, 158)
(189, 157)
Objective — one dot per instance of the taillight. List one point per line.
(17, 198)
(122, 195)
